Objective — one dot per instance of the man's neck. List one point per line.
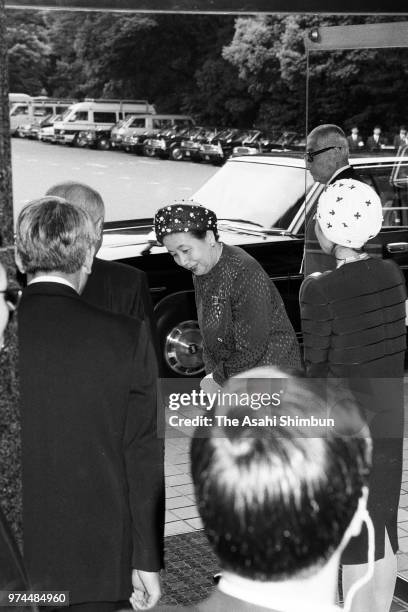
(71, 280)
(312, 594)
(339, 169)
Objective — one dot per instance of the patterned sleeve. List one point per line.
(317, 326)
(250, 305)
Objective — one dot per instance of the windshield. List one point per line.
(274, 198)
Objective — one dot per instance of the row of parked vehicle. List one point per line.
(167, 137)
(135, 127)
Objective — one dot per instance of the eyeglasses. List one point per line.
(12, 298)
(310, 155)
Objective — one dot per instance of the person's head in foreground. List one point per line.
(349, 213)
(86, 198)
(279, 504)
(326, 151)
(189, 233)
(54, 237)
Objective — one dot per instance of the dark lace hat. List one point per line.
(183, 217)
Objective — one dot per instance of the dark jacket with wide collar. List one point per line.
(92, 463)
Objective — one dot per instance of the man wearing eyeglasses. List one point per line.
(326, 157)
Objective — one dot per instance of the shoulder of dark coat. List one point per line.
(116, 270)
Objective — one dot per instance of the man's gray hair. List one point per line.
(328, 134)
(80, 195)
(53, 236)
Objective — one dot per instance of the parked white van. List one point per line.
(98, 115)
(33, 110)
(18, 97)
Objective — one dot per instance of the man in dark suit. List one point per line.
(279, 502)
(376, 142)
(355, 142)
(327, 160)
(111, 285)
(401, 139)
(92, 462)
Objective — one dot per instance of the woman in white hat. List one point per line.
(353, 322)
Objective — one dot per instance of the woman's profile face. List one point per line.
(191, 253)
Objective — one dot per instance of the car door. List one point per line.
(390, 180)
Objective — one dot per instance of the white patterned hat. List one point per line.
(349, 213)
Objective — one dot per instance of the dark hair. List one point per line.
(403, 127)
(276, 503)
(200, 234)
(377, 127)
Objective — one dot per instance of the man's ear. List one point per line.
(18, 261)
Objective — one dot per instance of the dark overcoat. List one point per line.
(92, 462)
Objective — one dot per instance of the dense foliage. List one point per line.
(224, 70)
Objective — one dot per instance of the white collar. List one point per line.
(347, 260)
(52, 278)
(261, 594)
(338, 172)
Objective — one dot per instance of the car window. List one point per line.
(159, 124)
(19, 110)
(104, 117)
(42, 111)
(138, 122)
(79, 116)
(390, 181)
(274, 198)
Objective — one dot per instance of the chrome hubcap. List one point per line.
(183, 350)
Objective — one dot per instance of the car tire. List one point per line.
(176, 154)
(180, 342)
(103, 144)
(148, 151)
(80, 142)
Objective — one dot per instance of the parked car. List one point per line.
(268, 141)
(262, 203)
(166, 145)
(190, 146)
(222, 145)
(132, 135)
(47, 129)
(98, 114)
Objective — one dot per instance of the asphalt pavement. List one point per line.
(132, 186)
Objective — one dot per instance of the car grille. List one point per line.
(208, 148)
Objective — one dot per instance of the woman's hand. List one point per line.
(209, 385)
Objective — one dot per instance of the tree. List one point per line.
(345, 87)
(28, 52)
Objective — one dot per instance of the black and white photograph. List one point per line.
(203, 306)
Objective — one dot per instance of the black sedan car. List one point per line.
(166, 145)
(262, 203)
(220, 148)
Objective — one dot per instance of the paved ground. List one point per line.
(132, 186)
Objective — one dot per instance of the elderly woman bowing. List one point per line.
(240, 312)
